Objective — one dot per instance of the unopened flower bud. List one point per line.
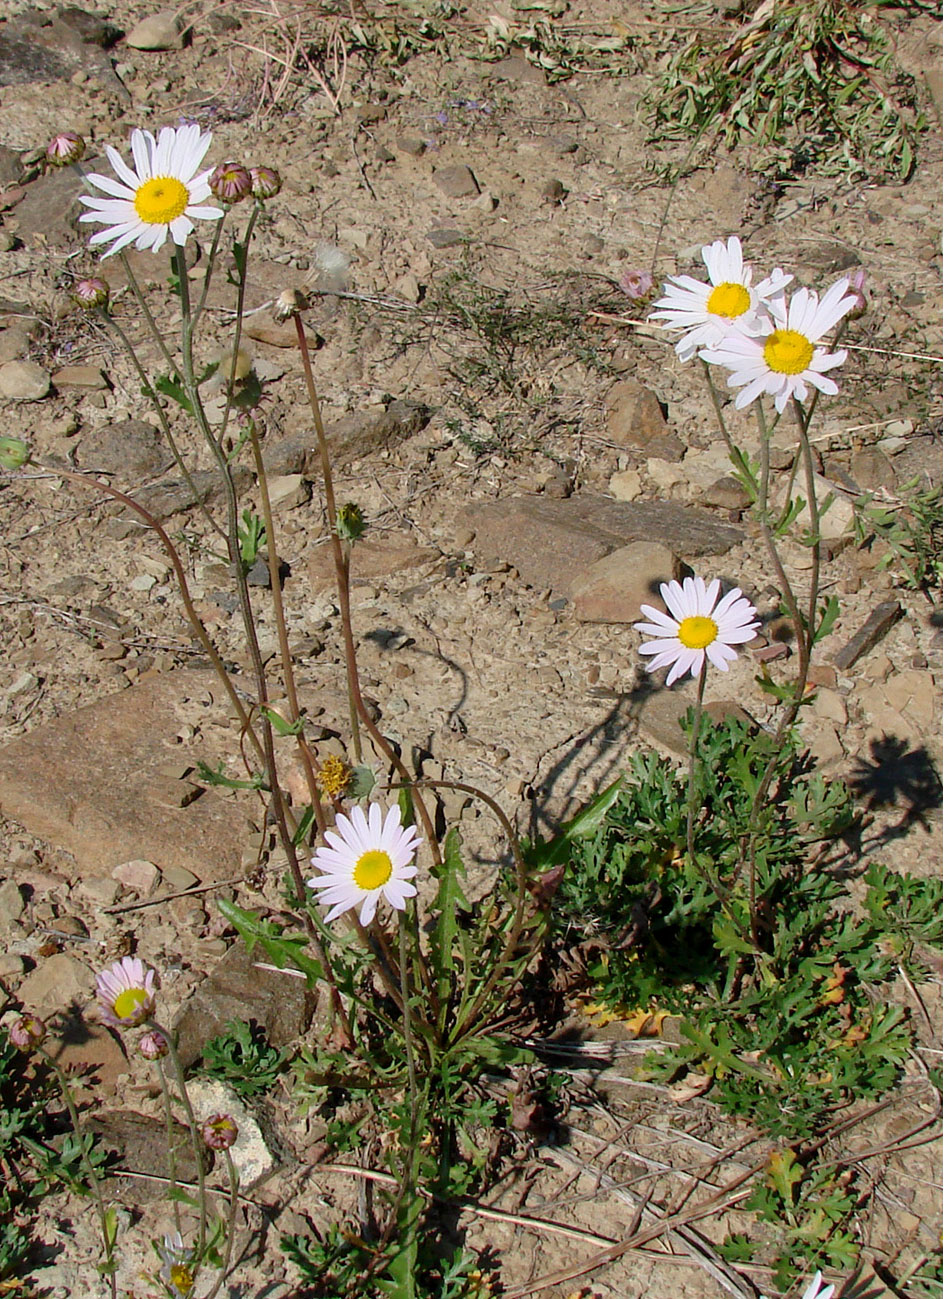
(266, 182)
(288, 304)
(636, 283)
(350, 522)
(64, 149)
(858, 289)
(27, 1033)
(154, 1045)
(230, 182)
(219, 1131)
(90, 293)
(14, 453)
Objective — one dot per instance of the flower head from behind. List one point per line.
(177, 1272)
(699, 626)
(784, 357)
(367, 859)
(707, 312)
(125, 993)
(162, 196)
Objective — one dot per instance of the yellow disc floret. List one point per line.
(128, 1003)
(788, 352)
(728, 299)
(181, 1278)
(372, 869)
(334, 776)
(697, 633)
(161, 200)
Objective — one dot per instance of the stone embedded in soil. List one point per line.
(661, 714)
(85, 782)
(23, 381)
(353, 437)
(12, 903)
(446, 237)
(168, 498)
(552, 543)
(161, 31)
(14, 343)
(235, 989)
(140, 1146)
(80, 376)
(883, 617)
(613, 588)
(58, 48)
(48, 213)
(634, 418)
(251, 1156)
(372, 559)
(59, 981)
(456, 181)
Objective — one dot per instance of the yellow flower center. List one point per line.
(128, 1003)
(181, 1278)
(372, 869)
(334, 776)
(161, 200)
(728, 299)
(788, 352)
(697, 633)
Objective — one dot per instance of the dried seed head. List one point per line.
(288, 304)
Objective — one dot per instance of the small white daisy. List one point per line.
(177, 1272)
(784, 357)
(365, 861)
(125, 993)
(707, 311)
(161, 197)
(702, 626)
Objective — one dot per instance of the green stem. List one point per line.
(146, 312)
(233, 1178)
(94, 1181)
(169, 1130)
(195, 1140)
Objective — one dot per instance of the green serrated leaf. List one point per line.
(171, 388)
(285, 951)
(450, 899)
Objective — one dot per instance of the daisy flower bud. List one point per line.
(64, 149)
(636, 283)
(154, 1045)
(219, 1131)
(230, 183)
(266, 182)
(14, 453)
(125, 993)
(858, 290)
(27, 1033)
(288, 304)
(90, 293)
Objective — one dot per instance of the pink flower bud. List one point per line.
(27, 1033)
(230, 182)
(219, 1131)
(154, 1045)
(90, 293)
(64, 149)
(266, 182)
(636, 283)
(858, 289)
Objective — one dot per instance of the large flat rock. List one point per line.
(553, 542)
(95, 781)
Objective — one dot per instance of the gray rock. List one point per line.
(516, 68)
(552, 191)
(552, 543)
(57, 48)
(23, 381)
(10, 166)
(634, 418)
(14, 343)
(726, 494)
(415, 145)
(49, 211)
(140, 1144)
(660, 717)
(445, 237)
(883, 617)
(251, 1156)
(12, 903)
(131, 449)
(160, 31)
(89, 377)
(234, 989)
(456, 181)
(613, 588)
(354, 437)
(872, 470)
(165, 499)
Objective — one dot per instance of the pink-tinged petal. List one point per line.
(369, 909)
(180, 228)
(674, 598)
(719, 655)
(141, 153)
(826, 386)
(120, 168)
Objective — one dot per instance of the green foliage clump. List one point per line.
(911, 531)
(243, 1058)
(813, 81)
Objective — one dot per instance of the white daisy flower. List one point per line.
(784, 358)
(365, 861)
(702, 626)
(162, 196)
(707, 311)
(126, 993)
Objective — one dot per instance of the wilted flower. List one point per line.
(230, 182)
(636, 283)
(288, 304)
(125, 993)
(350, 523)
(64, 149)
(27, 1033)
(161, 197)
(366, 860)
(219, 1131)
(154, 1045)
(707, 312)
(334, 776)
(90, 293)
(784, 357)
(14, 453)
(266, 182)
(702, 626)
(177, 1272)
